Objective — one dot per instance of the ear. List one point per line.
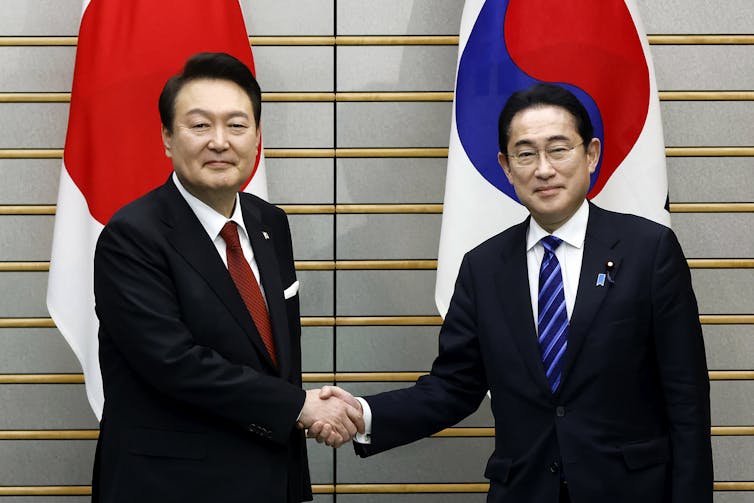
(166, 141)
(502, 159)
(593, 154)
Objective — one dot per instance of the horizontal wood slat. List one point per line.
(378, 321)
(381, 96)
(654, 39)
(418, 152)
(458, 432)
(392, 265)
(331, 489)
(399, 209)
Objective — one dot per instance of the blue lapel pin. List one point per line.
(601, 279)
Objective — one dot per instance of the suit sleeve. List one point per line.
(453, 389)
(138, 307)
(683, 372)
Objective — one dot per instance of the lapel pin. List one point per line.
(600, 279)
(266, 236)
(609, 266)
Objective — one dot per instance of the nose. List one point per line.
(219, 139)
(544, 166)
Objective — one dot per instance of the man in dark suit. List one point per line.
(196, 294)
(583, 325)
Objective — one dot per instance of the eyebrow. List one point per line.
(549, 139)
(235, 113)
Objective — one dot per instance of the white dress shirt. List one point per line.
(570, 254)
(213, 222)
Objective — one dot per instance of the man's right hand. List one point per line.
(329, 418)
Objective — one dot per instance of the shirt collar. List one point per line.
(211, 220)
(573, 231)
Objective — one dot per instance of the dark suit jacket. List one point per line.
(194, 410)
(630, 421)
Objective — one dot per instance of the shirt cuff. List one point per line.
(366, 412)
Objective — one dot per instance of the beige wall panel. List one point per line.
(724, 291)
(729, 347)
(300, 181)
(320, 462)
(393, 124)
(39, 17)
(33, 125)
(298, 125)
(313, 237)
(703, 67)
(316, 292)
(317, 349)
(289, 17)
(391, 293)
(27, 294)
(25, 237)
(388, 236)
(46, 462)
(708, 123)
(732, 458)
(386, 349)
(399, 68)
(732, 403)
(413, 498)
(390, 180)
(715, 235)
(45, 407)
(733, 497)
(294, 69)
(711, 179)
(29, 181)
(46, 499)
(36, 351)
(697, 16)
(399, 17)
(429, 460)
(36, 69)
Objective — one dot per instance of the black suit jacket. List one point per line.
(194, 409)
(630, 421)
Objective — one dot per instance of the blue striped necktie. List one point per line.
(552, 322)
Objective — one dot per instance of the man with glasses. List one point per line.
(583, 325)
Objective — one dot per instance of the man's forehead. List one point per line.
(211, 91)
(549, 121)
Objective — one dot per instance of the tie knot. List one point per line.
(551, 243)
(229, 233)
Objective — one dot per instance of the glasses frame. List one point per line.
(514, 158)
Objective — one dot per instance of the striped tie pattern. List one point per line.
(247, 285)
(552, 322)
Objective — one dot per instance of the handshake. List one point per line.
(331, 415)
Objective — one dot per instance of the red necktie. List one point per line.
(247, 285)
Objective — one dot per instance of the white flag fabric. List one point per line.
(598, 50)
(113, 152)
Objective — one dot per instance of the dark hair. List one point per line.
(543, 95)
(213, 66)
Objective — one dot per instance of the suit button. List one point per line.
(554, 467)
(560, 411)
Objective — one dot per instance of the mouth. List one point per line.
(218, 163)
(547, 191)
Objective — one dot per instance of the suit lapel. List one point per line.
(262, 242)
(189, 239)
(512, 281)
(599, 248)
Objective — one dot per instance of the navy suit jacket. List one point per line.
(630, 421)
(195, 410)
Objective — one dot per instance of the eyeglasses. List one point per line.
(556, 155)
